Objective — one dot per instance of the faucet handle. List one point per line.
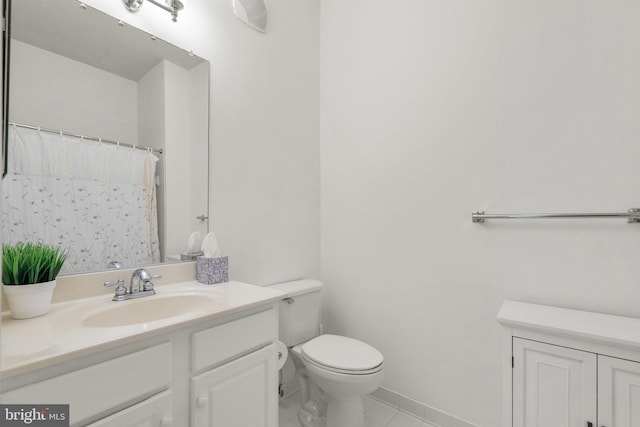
(120, 290)
(148, 284)
(118, 282)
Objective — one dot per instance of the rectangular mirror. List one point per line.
(108, 135)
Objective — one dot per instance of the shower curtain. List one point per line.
(97, 201)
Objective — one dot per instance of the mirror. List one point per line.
(254, 13)
(126, 182)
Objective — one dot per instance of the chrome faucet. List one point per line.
(140, 286)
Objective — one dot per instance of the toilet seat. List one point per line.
(343, 355)
(307, 362)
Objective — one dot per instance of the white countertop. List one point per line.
(596, 327)
(60, 335)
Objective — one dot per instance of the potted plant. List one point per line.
(29, 272)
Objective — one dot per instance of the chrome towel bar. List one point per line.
(632, 215)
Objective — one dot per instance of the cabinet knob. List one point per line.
(202, 402)
(166, 422)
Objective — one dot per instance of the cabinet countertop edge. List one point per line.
(591, 326)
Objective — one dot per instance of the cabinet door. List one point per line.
(552, 386)
(618, 392)
(153, 412)
(240, 393)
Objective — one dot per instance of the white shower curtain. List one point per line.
(97, 201)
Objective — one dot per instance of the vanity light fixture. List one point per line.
(171, 6)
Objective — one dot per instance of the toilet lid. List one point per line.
(342, 353)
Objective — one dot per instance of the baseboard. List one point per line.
(420, 410)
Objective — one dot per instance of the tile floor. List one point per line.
(377, 414)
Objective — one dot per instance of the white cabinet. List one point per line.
(569, 368)
(242, 392)
(555, 386)
(239, 393)
(552, 386)
(618, 392)
(99, 388)
(215, 373)
(153, 412)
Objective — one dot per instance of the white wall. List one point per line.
(178, 158)
(152, 133)
(264, 119)
(151, 102)
(198, 112)
(431, 110)
(83, 99)
(173, 116)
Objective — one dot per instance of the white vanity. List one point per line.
(213, 363)
(569, 368)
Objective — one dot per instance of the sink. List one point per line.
(147, 309)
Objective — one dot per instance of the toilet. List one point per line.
(333, 371)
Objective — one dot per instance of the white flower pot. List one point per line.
(27, 301)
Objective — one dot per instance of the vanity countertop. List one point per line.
(60, 335)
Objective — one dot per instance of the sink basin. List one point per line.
(147, 309)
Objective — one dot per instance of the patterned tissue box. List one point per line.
(212, 270)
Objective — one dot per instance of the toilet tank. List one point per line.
(299, 310)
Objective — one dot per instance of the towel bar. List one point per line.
(632, 215)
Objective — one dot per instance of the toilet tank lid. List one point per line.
(298, 287)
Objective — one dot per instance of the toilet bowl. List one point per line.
(333, 371)
(345, 369)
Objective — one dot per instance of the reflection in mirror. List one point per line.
(254, 13)
(108, 138)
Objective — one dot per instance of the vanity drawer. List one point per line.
(155, 411)
(220, 343)
(101, 387)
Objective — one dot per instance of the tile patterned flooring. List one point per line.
(377, 414)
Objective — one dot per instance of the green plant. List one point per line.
(28, 263)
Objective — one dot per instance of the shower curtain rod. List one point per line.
(91, 138)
